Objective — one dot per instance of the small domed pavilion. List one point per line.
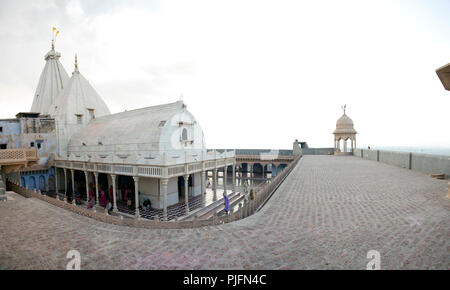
(344, 131)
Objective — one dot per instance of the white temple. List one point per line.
(159, 152)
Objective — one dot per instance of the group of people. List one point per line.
(105, 196)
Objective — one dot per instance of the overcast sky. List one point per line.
(256, 74)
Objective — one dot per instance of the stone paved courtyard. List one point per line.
(327, 214)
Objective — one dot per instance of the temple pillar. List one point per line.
(214, 185)
(164, 182)
(113, 178)
(233, 179)
(136, 196)
(186, 192)
(202, 178)
(86, 174)
(56, 183)
(65, 181)
(96, 186)
(225, 179)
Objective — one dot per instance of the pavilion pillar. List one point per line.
(214, 185)
(225, 179)
(202, 178)
(164, 182)
(186, 192)
(136, 196)
(96, 186)
(233, 179)
(113, 178)
(86, 174)
(345, 145)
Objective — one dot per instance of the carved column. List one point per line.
(202, 178)
(233, 179)
(225, 179)
(65, 181)
(86, 174)
(186, 192)
(96, 186)
(164, 182)
(56, 183)
(113, 178)
(136, 195)
(214, 185)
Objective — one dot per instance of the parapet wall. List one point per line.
(317, 151)
(426, 163)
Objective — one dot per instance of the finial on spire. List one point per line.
(76, 62)
(55, 34)
(344, 107)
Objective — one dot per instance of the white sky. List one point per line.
(256, 74)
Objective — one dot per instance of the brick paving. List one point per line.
(328, 214)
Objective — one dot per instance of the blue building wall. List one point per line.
(43, 180)
(11, 133)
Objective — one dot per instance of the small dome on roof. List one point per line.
(344, 125)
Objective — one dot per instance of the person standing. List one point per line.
(227, 202)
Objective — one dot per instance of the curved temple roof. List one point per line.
(51, 82)
(147, 131)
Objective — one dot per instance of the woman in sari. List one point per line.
(102, 198)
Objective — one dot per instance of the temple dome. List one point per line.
(148, 132)
(344, 125)
(51, 82)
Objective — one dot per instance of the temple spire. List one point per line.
(76, 62)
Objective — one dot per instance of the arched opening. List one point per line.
(23, 182)
(80, 184)
(59, 173)
(51, 183)
(258, 169)
(125, 194)
(268, 170)
(42, 186)
(281, 167)
(32, 182)
(341, 145)
(184, 134)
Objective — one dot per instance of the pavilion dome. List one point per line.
(51, 82)
(344, 125)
